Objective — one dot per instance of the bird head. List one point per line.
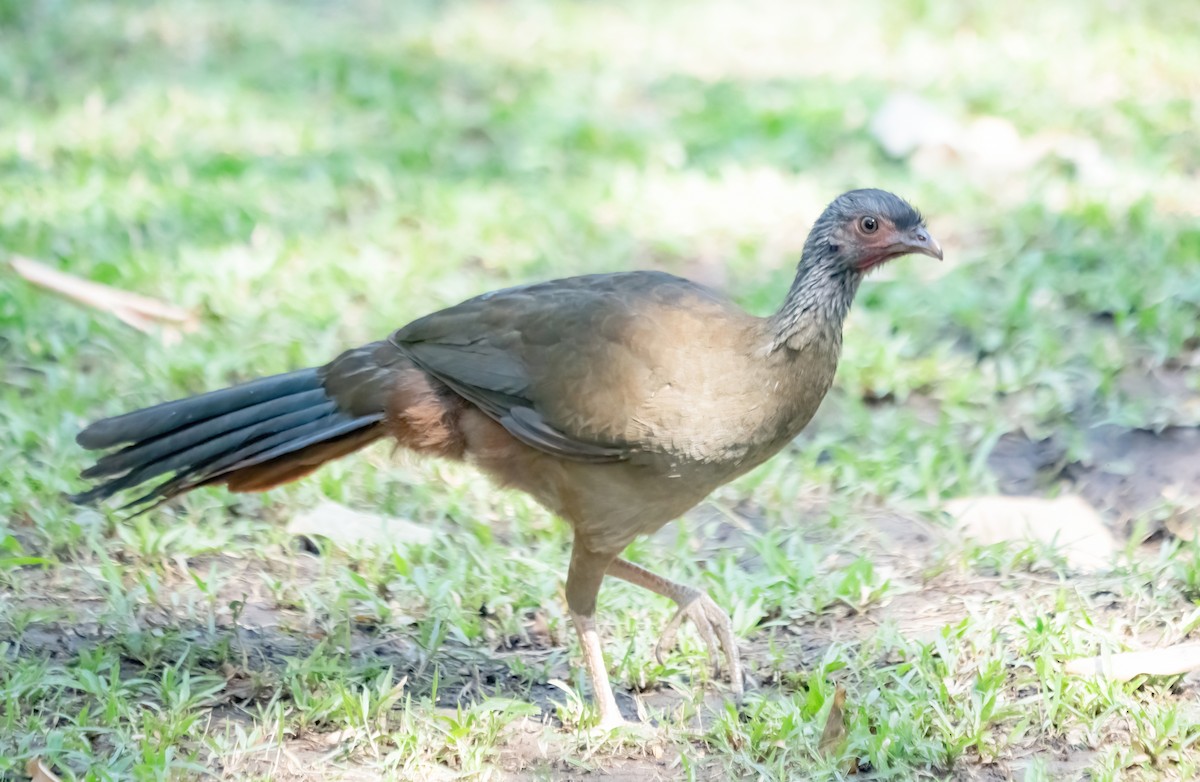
(863, 229)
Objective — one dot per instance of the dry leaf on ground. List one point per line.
(1171, 661)
(907, 125)
(835, 723)
(39, 771)
(1068, 523)
(1184, 521)
(347, 527)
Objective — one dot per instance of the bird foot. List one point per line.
(716, 630)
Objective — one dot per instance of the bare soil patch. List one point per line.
(1125, 473)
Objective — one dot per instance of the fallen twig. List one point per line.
(140, 312)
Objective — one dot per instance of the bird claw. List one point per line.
(716, 630)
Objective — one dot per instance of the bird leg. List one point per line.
(713, 624)
(593, 658)
(583, 584)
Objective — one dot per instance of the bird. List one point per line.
(617, 401)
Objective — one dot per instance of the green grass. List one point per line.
(309, 176)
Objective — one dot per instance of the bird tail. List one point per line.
(250, 437)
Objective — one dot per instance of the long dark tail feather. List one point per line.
(172, 416)
(250, 436)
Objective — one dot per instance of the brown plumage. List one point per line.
(618, 401)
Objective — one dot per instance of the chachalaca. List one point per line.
(618, 401)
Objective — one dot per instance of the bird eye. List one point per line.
(868, 224)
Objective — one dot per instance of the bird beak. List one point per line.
(919, 241)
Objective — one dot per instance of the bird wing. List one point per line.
(561, 365)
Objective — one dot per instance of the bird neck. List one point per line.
(815, 307)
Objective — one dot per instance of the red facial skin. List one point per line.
(887, 242)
